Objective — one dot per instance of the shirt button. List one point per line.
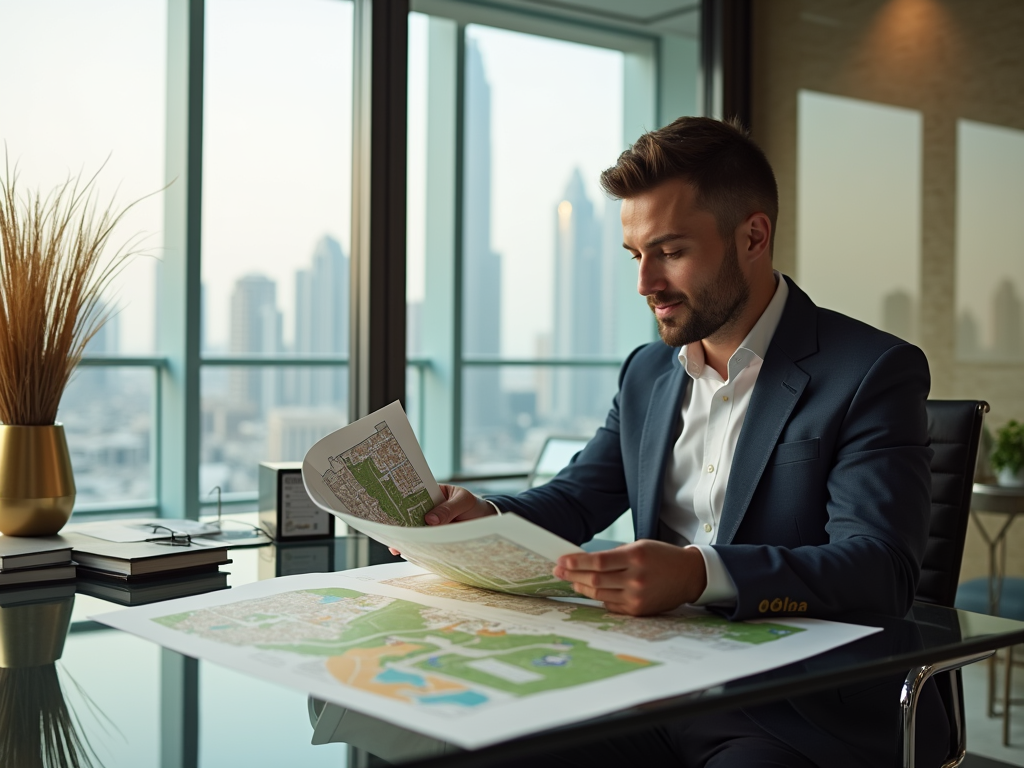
(725, 398)
(711, 467)
(707, 527)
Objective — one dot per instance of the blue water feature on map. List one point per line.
(434, 661)
(551, 661)
(397, 676)
(464, 699)
(331, 599)
(223, 626)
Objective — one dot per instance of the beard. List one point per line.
(714, 306)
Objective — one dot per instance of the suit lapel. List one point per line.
(779, 386)
(656, 446)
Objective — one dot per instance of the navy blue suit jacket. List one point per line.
(826, 511)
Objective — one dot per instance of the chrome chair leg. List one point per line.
(1007, 690)
(911, 694)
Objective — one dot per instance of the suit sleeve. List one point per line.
(589, 494)
(878, 505)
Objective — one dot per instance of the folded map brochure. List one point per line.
(373, 476)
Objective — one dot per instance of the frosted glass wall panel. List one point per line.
(989, 254)
(859, 209)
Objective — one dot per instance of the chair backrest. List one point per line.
(954, 427)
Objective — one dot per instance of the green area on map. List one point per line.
(405, 510)
(405, 650)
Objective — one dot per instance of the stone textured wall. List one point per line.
(949, 60)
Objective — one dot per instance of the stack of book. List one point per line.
(28, 560)
(137, 561)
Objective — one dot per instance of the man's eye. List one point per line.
(673, 254)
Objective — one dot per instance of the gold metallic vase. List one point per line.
(37, 487)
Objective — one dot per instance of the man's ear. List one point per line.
(754, 238)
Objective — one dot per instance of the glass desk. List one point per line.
(137, 705)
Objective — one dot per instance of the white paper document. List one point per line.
(143, 530)
(462, 665)
(373, 476)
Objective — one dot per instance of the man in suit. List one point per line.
(774, 454)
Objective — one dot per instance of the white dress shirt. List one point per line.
(713, 411)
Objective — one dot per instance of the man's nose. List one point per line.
(651, 277)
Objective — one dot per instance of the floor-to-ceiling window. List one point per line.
(70, 106)
(277, 180)
(522, 303)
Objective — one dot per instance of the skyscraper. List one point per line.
(582, 302)
(255, 330)
(481, 323)
(322, 323)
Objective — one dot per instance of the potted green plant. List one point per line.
(1008, 454)
(53, 275)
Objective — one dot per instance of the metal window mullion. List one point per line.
(458, 324)
(156, 435)
(725, 59)
(377, 342)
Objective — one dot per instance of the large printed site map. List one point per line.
(471, 668)
(375, 480)
(428, 657)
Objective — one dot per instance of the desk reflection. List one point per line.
(37, 725)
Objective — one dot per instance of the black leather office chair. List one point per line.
(954, 427)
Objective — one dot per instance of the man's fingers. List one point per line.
(598, 593)
(441, 514)
(394, 551)
(630, 609)
(617, 559)
(459, 505)
(603, 579)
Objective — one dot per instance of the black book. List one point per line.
(143, 558)
(18, 552)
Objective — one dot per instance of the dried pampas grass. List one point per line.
(53, 275)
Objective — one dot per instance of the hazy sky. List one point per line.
(555, 106)
(81, 81)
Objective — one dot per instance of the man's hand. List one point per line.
(458, 506)
(640, 579)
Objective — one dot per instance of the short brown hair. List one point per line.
(731, 175)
